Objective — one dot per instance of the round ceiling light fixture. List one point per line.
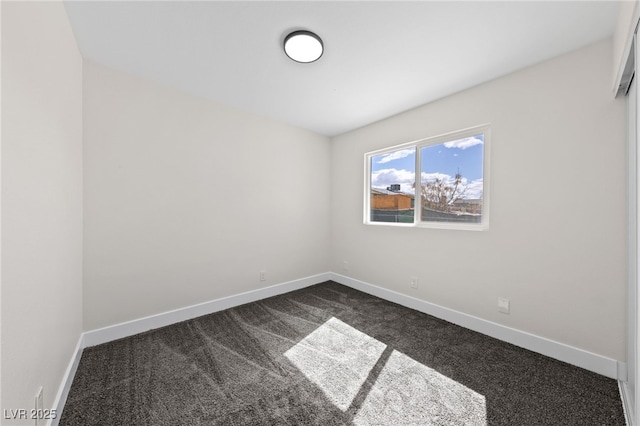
(303, 46)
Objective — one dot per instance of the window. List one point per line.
(452, 188)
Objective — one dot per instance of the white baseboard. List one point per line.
(67, 379)
(129, 328)
(589, 361)
(599, 364)
(626, 403)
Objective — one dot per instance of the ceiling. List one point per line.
(381, 58)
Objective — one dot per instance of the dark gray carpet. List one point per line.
(329, 355)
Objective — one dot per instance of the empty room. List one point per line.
(318, 212)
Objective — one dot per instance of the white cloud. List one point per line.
(396, 155)
(463, 143)
(473, 189)
(448, 180)
(383, 178)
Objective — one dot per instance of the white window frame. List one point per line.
(484, 129)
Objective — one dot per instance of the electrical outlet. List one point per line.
(413, 282)
(263, 275)
(503, 305)
(345, 266)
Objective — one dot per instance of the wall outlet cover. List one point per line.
(503, 305)
(414, 282)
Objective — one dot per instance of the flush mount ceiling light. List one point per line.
(303, 46)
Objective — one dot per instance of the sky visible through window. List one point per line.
(441, 161)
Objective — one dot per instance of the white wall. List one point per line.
(187, 200)
(556, 242)
(41, 201)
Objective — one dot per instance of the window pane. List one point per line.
(452, 181)
(392, 186)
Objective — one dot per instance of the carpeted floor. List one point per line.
(329, 355)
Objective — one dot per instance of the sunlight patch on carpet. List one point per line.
(407, 392)
(337, 358)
